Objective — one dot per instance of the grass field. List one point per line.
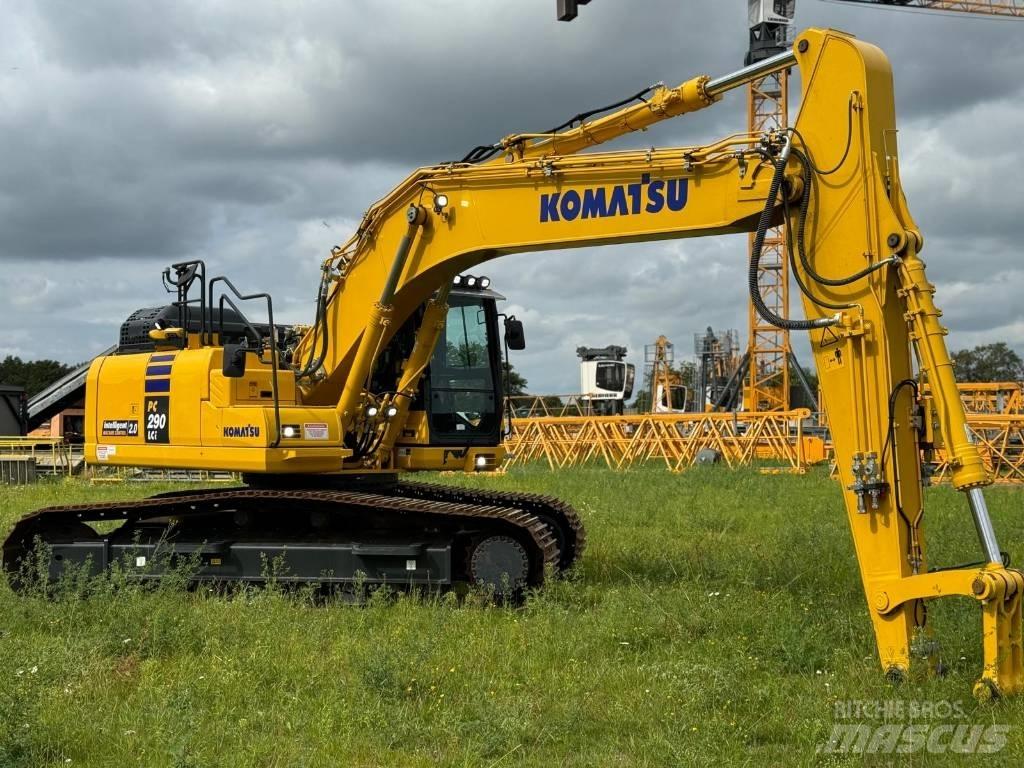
(717, 618)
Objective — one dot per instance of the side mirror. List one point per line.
(514, 336)
(233, 366)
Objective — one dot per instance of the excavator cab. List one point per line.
(463, 387)
(458, 404)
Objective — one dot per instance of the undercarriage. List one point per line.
(403, 535)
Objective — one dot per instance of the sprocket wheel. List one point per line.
(499, 563)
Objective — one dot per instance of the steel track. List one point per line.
(452, 515)
(562, 518)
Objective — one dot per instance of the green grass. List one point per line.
(717, 618)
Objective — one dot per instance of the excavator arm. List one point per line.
(874, 327)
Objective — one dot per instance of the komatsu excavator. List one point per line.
(321, 420)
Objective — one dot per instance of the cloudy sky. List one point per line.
(253, 135)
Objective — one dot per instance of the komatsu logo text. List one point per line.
(248, 430)
(646, 196)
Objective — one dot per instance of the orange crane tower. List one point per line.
(767, 361)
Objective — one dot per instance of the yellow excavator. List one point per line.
(399, 370)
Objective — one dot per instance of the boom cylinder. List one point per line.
(429, 332)
(380, 319)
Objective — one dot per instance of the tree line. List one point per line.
(32, 375)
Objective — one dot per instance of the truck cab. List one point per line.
(606, 380)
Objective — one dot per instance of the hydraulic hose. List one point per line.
(321, 330)
(805, 203)
(755, 257)
(326, 297)
(314, 358)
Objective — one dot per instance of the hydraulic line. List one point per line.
(805, 204)
(590, 113)
(808, 172)
(319, 329)
(755, 257)
(846, 150)
(486, 151)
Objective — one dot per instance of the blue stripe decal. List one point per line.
(158, 370)
(158, 385)
(162, 358)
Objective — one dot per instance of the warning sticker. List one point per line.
(315, 431)
(120, 428)
(105, 452)
(833, 360)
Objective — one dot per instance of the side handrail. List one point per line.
(225, 298)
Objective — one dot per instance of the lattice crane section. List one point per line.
(992, 8)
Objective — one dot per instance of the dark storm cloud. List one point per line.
(254, 135)
(422, 82)
(409, 82)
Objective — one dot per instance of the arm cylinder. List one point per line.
(429, 332)
(719, 85)
(693, 95)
